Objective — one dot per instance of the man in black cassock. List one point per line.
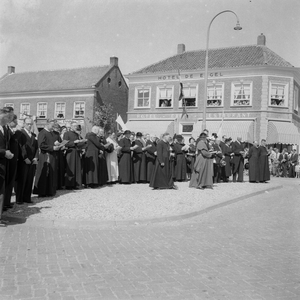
(46, 178)
(253, 163)
(125, 162)
(263, 161)
(27, 164)
(73, 178)
(162, 175)
(150, 155)
(238, 160)
(139, 159)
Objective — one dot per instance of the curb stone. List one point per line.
(85, 224)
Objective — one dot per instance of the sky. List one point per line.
(62, 34)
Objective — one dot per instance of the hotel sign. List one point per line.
(189, 76)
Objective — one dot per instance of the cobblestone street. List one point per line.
(246, 250)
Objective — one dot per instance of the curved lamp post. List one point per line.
(237, 27)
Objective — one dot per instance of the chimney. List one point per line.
(10, 70)
(261, 40)
(114, 61)
(180, 48)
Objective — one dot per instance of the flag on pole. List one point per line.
(181, 97)
(120, 121)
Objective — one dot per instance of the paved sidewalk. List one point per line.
(247, 250)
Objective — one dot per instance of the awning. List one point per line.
(156, 127)
(282, 133)
(233, 129)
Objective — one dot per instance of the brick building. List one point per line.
(254, 91)
(65, 95)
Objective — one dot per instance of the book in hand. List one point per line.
(63, 143)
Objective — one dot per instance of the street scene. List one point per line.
(149, 149)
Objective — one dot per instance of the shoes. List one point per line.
(200, 188)
(174, 187)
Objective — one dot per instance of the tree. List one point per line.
(104, 116)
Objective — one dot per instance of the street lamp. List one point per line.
(237, 27)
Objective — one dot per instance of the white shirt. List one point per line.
(1, 129)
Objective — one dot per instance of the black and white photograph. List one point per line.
(149, 149)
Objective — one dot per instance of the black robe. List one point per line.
(91, 167)
(263, 160)
(26, 172)
(45, 178)
(180, 164)
(125, 163)
(61, 169)
(139, 163)
(253, 164)
(162, 175)
(227, 152)
(73, 160)
(150, 159)
(191, 159)
(103, 174)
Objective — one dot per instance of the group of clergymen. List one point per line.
(60, 158)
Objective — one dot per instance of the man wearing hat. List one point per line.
(125, 163)
(238, 160)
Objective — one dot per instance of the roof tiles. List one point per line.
(232, 57)
(53, 80)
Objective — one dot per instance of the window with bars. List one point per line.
(24, 109)
(60, 110)
(215, 95)
(142, 97)
(79, 110)
(190, 96)
(242, 94)
(165, 97)
(42, 110)
(278, 94)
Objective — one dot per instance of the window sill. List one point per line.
(241, 105)
(142, 107)
(168, 107)
(278, 106)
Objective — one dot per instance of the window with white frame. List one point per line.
(24, 109)
(215, 94)
(241, 93)
(142, 96)
(186, 128)
(190, 95)
(165, 96)
(9, 105)
(278, 94)
(79, 109)
(60, 110)
(42, 110)
(296, 98)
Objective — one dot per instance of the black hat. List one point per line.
(202, 135)
(228, 140)
(179, 137)
(139, 134)
(127, 132)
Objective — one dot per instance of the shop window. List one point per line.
(296, 99)
(165, 97)
(41, 110)
(79, 110)
(60, 110)
(24, 110)
(242, 94)
(9, 105)
(190, 96)
(215, 95)
(142, 97)
(278, 94)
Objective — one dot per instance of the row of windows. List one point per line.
(241, 95)
(59, 110)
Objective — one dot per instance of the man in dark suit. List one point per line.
(293, 162)
(238, 160)
(27, 164)
(4, 155)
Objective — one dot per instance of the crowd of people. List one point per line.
(59, 157)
